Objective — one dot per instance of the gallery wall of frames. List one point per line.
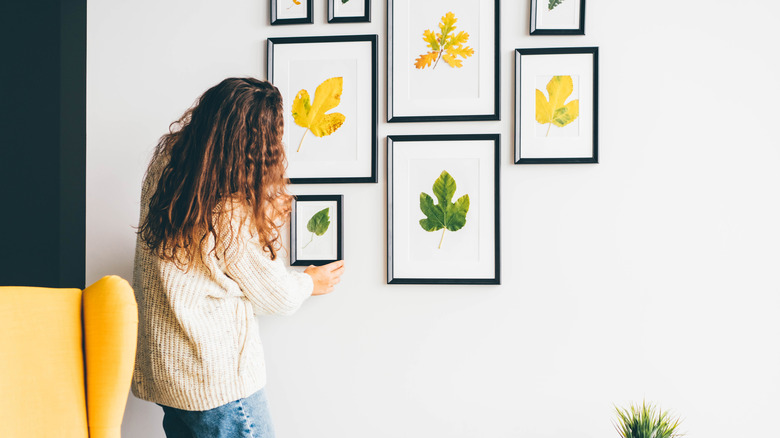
(443, 65)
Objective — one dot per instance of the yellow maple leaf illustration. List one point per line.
(312, 115)
(553, 111)
(445, 45)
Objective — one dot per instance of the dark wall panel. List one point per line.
(39, 94)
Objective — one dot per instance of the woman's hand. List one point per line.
(326, 276)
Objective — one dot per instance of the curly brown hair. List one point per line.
(226, 149)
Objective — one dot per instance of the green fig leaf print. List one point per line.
(318, 224)
(314, 115)
(344, 1)
(553, 3)
(445, 215)
(446, 45)
(555, 111)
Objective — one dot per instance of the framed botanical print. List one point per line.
(349, 11)
(329, 87)
(557, 17)
(443, 209)
(316, 230)
(291, 12)
(443, 58)
(556, 105)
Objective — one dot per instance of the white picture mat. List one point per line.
(529, 67)
(353, 8)
(323, 247)
(466, 253)
(564, 16)
(348, 151)
(286, 9)
(469, 90)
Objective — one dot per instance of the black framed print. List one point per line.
(556, 105)
(349, 11)
(557, 17)
(329, 86)
(316, 230)
(291, 12)
(443, 58)
(443, 209)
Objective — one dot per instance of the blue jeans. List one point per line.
(247, 417)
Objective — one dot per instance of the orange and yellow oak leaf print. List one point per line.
(446, 45)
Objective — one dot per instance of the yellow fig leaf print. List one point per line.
(554, 111)
(296, 2)
(446, 45)
(314, 115)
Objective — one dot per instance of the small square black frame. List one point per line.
(578, 31)
(339, 199)
(391, 118)
(366, 18)
(496, 139)
(558, 51)
(308, 19)
(373, 39)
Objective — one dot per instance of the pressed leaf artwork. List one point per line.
(314, 115)
(446, 45)
(555, 111)
(553, 3)
(344, 1)
(295, 2)
(318, 224)
(445, 215)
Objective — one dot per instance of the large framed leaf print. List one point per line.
(443, 60)
(556, 105)
(316, 230)
(329, 87)
(443, 209)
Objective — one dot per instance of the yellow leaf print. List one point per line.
(445, 45)
(554, 111)
(312, 115)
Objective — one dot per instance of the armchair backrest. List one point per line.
(66, 359)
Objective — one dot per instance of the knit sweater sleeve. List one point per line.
(266, 283)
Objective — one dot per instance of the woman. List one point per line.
(213, 200)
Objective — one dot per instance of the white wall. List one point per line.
(651, 275)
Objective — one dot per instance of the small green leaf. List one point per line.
(344, 1)
(553, 3)
(319, 223)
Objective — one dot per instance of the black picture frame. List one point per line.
(365, 18)
(496, 107)
(535, 30)
(276, 21)
(295, 257)
(518, 147)
(495, 278)
(273, 43)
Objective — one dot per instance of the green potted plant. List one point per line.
(646, 421)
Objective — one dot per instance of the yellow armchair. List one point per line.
(66, 359)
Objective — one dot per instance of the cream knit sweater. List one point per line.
(198, 343)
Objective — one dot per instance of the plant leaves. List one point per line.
(319, 223)
(553, 111)
(344, 1)
(553, 3)
(445, 45)
(445, 214)
(296, 2)
(313, 115)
